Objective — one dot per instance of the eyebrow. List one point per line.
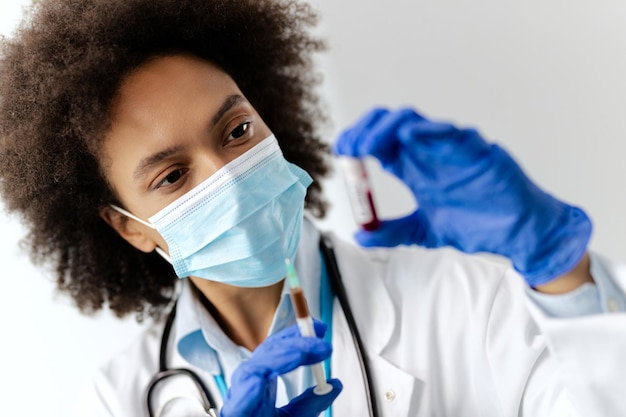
(147, 163)
(150, 161)
(229, 103)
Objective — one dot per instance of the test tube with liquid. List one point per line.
(305, 324)
(359, 192)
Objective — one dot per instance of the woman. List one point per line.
(143, 142)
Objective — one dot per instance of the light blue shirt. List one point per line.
(201, 342)
(604, 296)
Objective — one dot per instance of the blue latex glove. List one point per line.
(253, 386)
(471, 195)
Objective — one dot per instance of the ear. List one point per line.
(130, 230)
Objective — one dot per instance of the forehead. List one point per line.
(168, 80)
(163, 99)
(166, 102)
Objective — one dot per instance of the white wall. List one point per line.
(545, 79)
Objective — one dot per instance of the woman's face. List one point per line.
(176, 121)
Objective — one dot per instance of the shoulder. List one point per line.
(142, 353)
(118, 388)
(427, 270)
(429, 289)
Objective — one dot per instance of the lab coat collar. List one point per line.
(199, 338)
(370, 302)
(190, 340)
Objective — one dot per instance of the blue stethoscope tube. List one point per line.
(329, 264)
(208, 402)
(334, 285)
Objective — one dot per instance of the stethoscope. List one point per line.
(331, 268)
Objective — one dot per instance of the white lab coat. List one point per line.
(446, 335)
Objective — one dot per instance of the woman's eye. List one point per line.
(172, 177)
(239, 131)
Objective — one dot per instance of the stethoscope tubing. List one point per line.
(327, 249)
(336, 283)
(207, 399)
(209, 404)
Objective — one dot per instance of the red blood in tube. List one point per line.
(359, 193)
(299, 303)
(374, 223)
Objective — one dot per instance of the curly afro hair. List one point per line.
(58, 77)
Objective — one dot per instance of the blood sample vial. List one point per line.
(359, 192)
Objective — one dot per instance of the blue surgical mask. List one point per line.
(238, 225)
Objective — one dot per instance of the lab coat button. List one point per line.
(390, 395)
(612, 305)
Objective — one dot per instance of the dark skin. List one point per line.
(176, 121)
(578, 276)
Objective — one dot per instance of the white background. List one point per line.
(544, 79)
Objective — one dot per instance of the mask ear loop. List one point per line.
(131, 215)
(163, 254)
(128, 214)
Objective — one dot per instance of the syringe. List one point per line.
(305, 323)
